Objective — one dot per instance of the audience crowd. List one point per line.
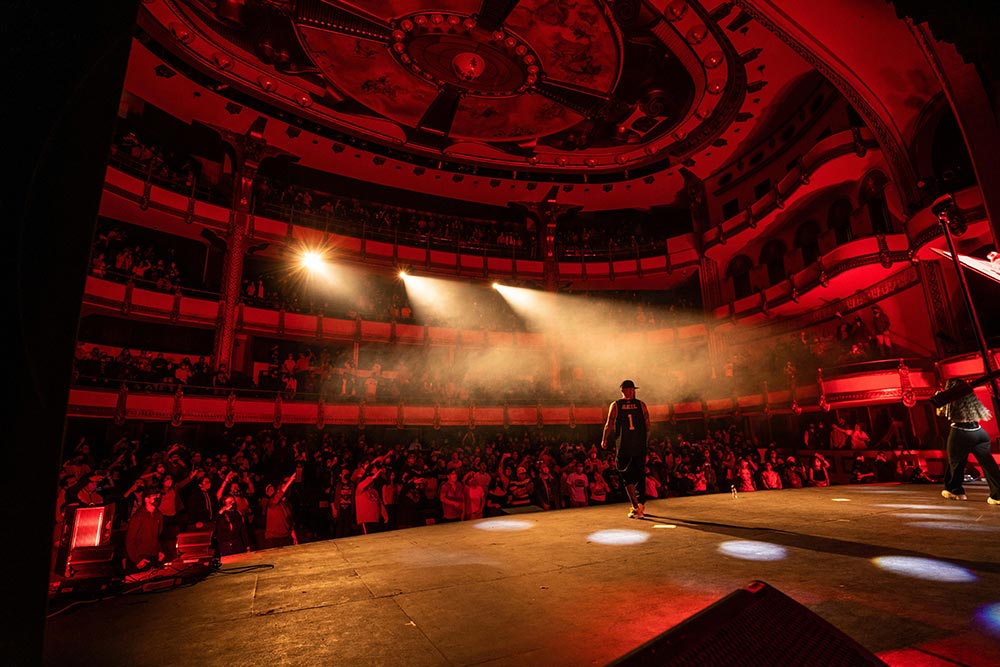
(277, 487)
(115, 257)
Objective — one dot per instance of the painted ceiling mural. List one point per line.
(607, 85)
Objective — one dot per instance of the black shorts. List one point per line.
(632, 467)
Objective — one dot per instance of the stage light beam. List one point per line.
(312, 261)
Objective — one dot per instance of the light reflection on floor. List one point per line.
(752, 550)
(941, 508)
(618, 537)
(988, 617)
(925, 568)
(931, 515)
(863, 490)
(506, 525)
(954, 525)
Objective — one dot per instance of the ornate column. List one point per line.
(546, 214)
(249, 150)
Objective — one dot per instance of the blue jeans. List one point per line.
(961, 443)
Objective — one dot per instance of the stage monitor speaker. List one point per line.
(90, 569)
(83, 526)
(195, 547)
(756, 626)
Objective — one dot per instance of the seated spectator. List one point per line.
(221, 380)
(861, 473)
(182, 374)
(793, 475)
(920, 476)
(769, 478)
(744, 472)
(818, 475)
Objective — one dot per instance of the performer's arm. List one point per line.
(645, 414)
(609, 426)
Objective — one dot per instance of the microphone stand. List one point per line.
(944, 208)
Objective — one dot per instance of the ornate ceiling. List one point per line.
(613, 97)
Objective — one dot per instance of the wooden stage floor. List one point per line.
(912, 577)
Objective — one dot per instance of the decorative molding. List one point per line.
(896, 283)
(891, 145)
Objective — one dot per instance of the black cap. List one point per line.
(628, 384)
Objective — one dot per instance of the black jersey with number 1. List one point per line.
(630, 427)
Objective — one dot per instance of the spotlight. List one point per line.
(496, 286)
(378, 160)
(404, 274)
(312, 260)
(338, 148)
(292, 132)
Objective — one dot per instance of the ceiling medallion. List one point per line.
(446, 49)
(468, 66)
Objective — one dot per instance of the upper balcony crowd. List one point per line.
(507, 234)
(121, 253)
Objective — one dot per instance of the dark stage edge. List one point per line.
(550, 593)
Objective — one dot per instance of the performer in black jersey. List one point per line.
(628, 423)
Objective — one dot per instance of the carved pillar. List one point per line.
(546, 213)
(248, 151)
(711, 289)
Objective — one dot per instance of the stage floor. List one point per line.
(909, 575)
